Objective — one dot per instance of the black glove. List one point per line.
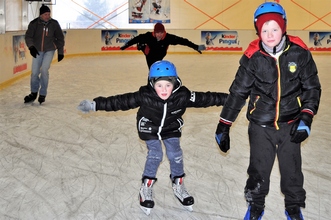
(33, 51)
(124, 47)
(222, 136)
(60, 57)
(301, 127)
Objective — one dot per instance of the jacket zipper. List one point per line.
(43, 36)
(162, 121)
(278, 96)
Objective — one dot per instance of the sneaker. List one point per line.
(181, 193)
(31, 97)
(293, 213)
(146, 195)
(41, 99)
(254, 212)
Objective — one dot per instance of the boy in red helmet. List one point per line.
(278, 74)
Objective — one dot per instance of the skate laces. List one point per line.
(146, 191)
(180, 189)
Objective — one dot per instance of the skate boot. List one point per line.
(146, 194)
(31, 97)
(254, 212)
(293, 213)
(41, 99)
(181, 193)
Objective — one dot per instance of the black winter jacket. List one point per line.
(278, 90)
(45, 36)
(156, 50)
(157, 118)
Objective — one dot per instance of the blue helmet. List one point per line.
(162, 68)
(269, 7)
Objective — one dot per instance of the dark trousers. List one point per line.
(265, 144)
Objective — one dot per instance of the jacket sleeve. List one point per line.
(239, 91)
(59, 38)
(141, 38)
(207, 99)
(174, 40)
(29, 34)
(311, 87)
(122, 102)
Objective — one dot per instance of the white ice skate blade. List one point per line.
(147, 211)
(188, 207)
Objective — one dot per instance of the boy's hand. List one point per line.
(86, 106)
(301, 127)
(222, 136)
(33, 51)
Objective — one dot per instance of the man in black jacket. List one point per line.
(43, 37)
(155, 44)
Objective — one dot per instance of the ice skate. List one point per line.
(293, 213)
(41, 99)
(181, 193)
(254, 212)
(31, 97)
(146, 195)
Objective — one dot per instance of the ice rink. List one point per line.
(58, 163)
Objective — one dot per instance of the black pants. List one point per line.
(265, 144)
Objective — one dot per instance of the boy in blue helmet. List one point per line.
(162, 103)
(278, 74)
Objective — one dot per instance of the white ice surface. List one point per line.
(58, 163)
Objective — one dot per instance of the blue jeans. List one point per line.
(39, 72)
(155, 155)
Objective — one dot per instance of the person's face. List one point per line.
(163, 89)
(45, 16)
(271, 33)
(159, 35)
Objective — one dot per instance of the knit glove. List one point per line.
(33, 51)
(86, 106)
(301, 127)
(222, 135)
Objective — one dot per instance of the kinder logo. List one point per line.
(228, 39)
(122, 38)
(120, 35)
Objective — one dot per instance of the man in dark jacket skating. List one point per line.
(162, 104)
(43, 37)
(155, 44)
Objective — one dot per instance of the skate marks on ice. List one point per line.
(57, 163)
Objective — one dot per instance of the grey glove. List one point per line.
(200, 47)
(86, 106)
